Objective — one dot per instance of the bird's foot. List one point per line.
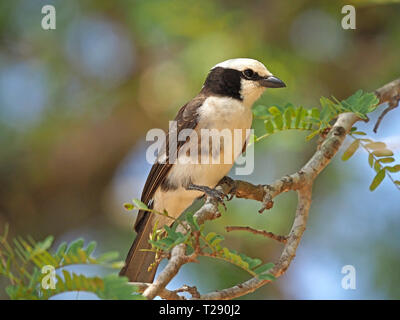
(213, 194)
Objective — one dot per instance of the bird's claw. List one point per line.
(213, 194)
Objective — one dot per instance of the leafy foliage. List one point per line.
(379, 156)
(315, 120)
(204, 244)
(24, 264)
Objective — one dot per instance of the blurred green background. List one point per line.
(76, 103)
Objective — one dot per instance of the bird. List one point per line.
(224, 102)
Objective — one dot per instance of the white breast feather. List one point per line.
(215, 113)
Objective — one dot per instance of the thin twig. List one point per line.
(389, 93)
(192, 290)
(264, 233)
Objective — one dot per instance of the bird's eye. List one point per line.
(248, 73)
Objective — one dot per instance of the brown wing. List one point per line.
(186, 118)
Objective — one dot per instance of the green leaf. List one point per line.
(315, 113)
(172, 234)
(274, 111)
(117, 264)
(61, 249)
(192, 221)
(269, 127)
(278, 121)
(74, 246)
(288, 117)
(378, 179)
(108, 256)
(215, 240)
(226, 252)
(329, 109)
(360, 133)
(377, 166)
(118, 288)
(139, 204)
(375, 145)
(351, 150)
(163, 244)
(393, 169)
(371, 160)
(252, 262)
(266, 276)
(90, 247)
(46, 243)
(383, 153)
(386, 160)
(264, 268)
(300, 113)
(129, 206)
(67, 279)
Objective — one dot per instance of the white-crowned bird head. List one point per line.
(242, 78)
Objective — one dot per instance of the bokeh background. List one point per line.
(76, 103)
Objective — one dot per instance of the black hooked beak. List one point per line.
(272, 82)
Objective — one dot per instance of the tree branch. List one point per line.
(178, 258)
(389, 93)
(300, 181)
(163, 293)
